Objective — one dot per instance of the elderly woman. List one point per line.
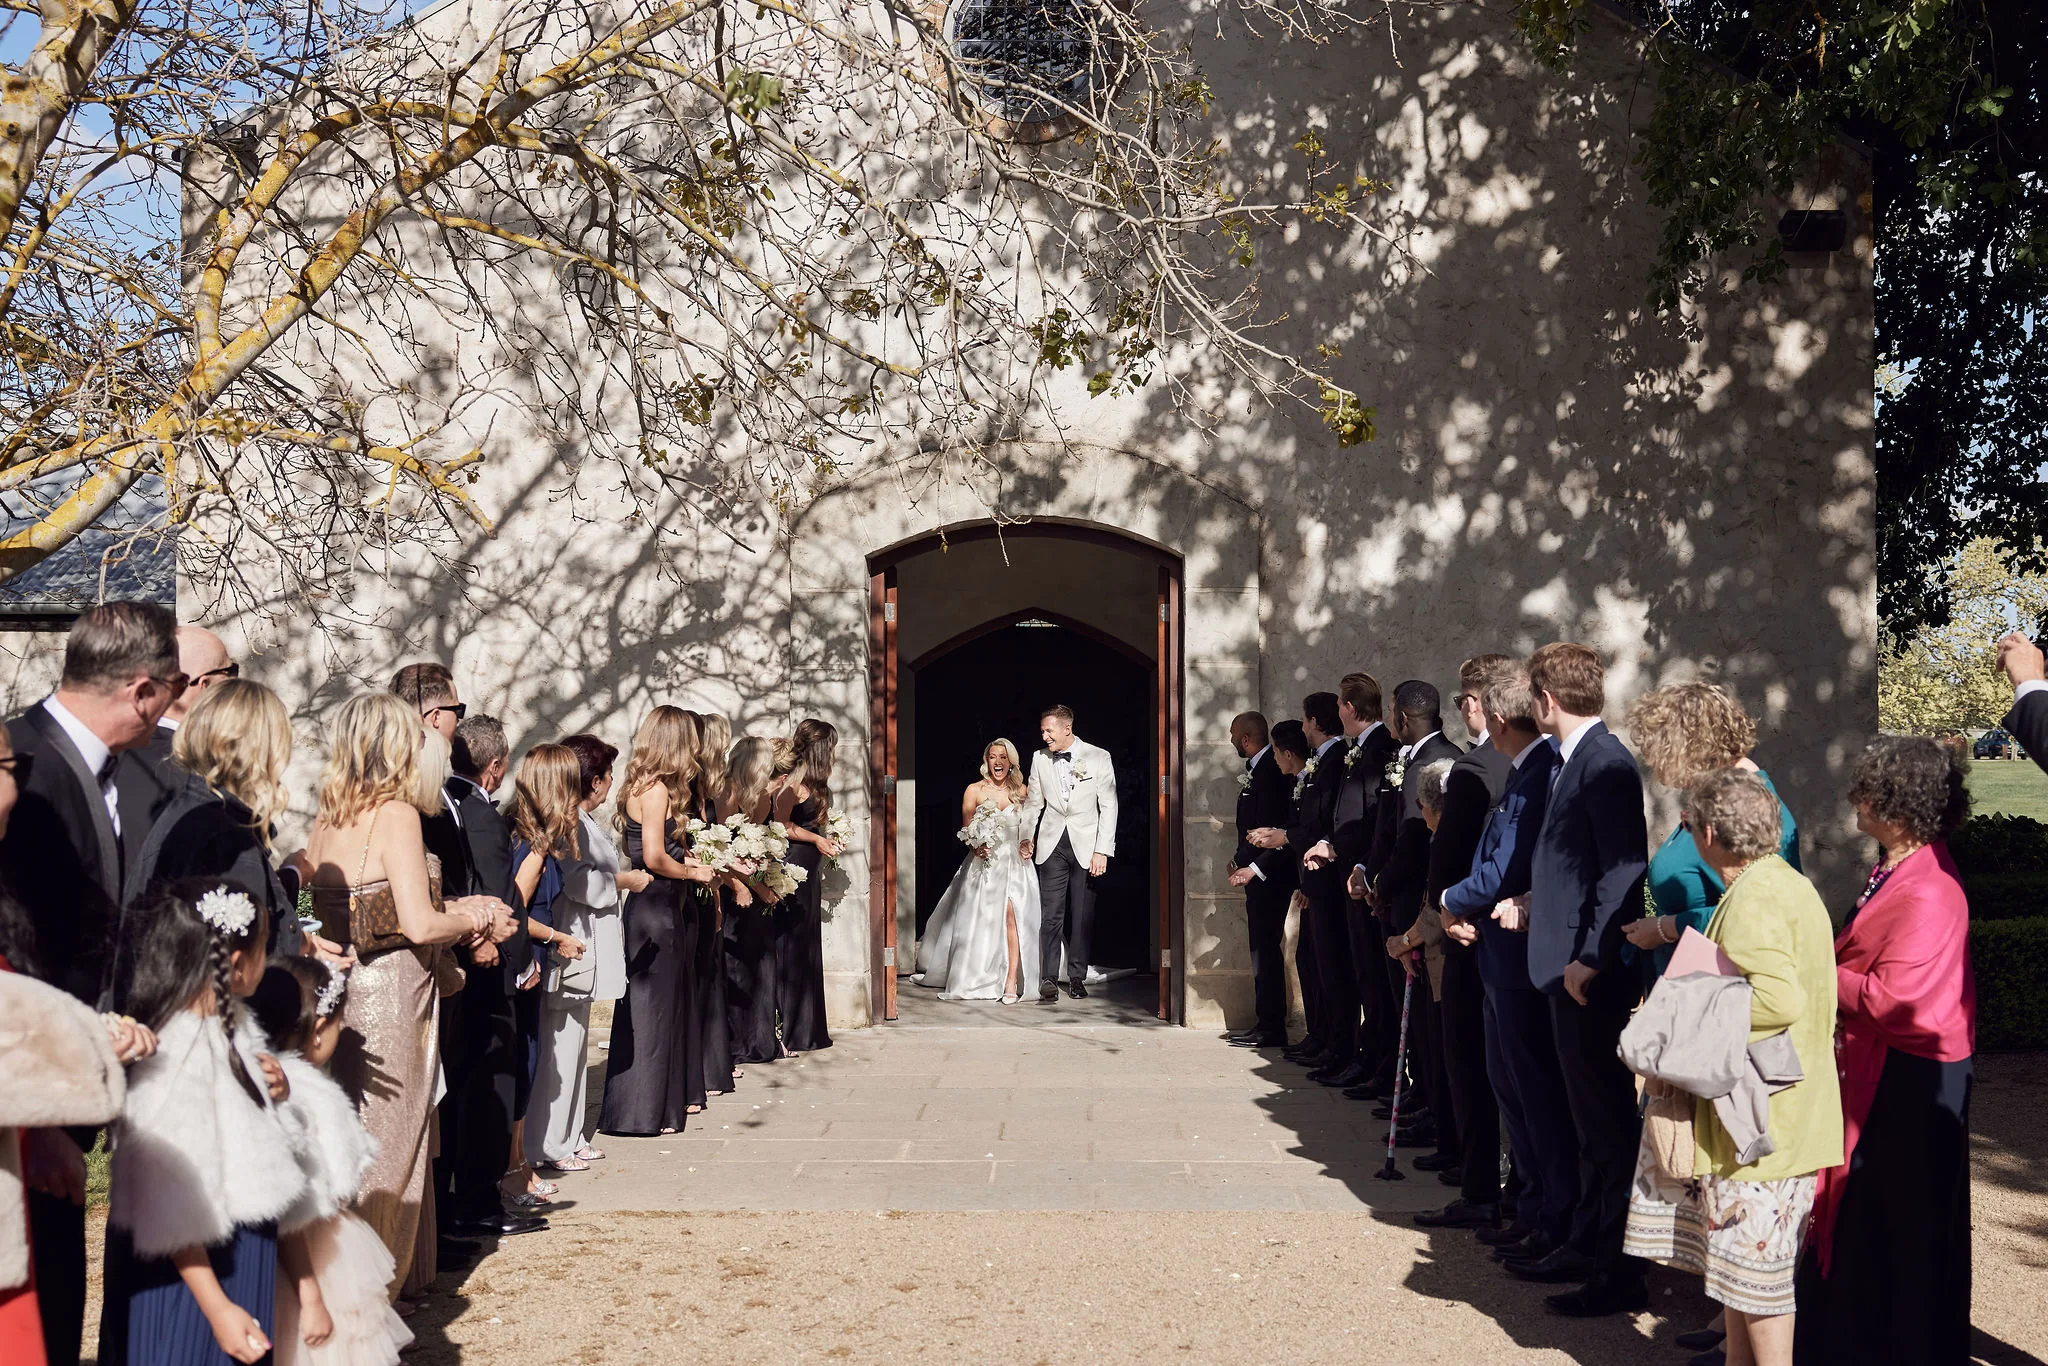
(1888, 1276)
(1685, 732)
(1739, 1223)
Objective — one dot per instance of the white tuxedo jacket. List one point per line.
(1084, 813)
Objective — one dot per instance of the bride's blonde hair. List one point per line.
(1015, 785)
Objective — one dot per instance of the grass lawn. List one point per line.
(2012, 787)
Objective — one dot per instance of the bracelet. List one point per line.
(1662, 934)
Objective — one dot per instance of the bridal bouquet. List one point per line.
(711, 843)
(839, 827)
(984, 832)
(779, 880)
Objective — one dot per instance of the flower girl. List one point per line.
(332, 1309)
(201, 1168)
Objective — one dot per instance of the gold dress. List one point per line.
(389, 1062)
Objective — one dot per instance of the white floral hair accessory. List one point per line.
(229, 912)
(336, 987)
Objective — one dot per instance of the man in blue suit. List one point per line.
(1521, 1054)
(1585, 883)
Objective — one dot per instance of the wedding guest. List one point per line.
(1586, 883)
(1397, 897)
(204, 661)
(1886, 1277)
(1291, 751)
(1360, 709)
(1474, 786)
(654, 1033)
(202, 1169)
(1261, 803)
(750, 932)
(376, 889)
(557, 1138)
(803, 805)
(231, 752)
(83, 809)
(715, 738)
(1321, 883)
(1739, 1223)
(430, 686)
(1685, 732)
(1343, 1029)
(545, 819)
(2027, 722)
(1521, 1053)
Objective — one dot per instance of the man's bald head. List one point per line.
(202, 658)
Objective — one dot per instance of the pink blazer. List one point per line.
(1902, 980)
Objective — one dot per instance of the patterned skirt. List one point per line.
(1743, 1237)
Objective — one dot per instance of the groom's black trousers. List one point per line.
(1066, 909)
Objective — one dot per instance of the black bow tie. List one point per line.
(1065, 756)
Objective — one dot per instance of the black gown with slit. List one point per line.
(712, 1073)
(799, 942)
(655, 1031)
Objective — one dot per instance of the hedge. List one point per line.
(2009, 896)
(2000, 846)
(2010, 961)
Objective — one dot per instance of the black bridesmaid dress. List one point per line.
(799, 943)
(750, 983)
(713, 1072)
(655, 1030)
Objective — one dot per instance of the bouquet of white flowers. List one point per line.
(984, 831)
(778, 880)
(711, 843)
(839, 828)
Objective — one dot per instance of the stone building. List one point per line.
(1691, 495)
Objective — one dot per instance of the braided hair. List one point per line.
(171, 957)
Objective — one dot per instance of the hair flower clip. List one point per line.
(226, 911)
(331, 994)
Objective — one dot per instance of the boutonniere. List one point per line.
(1300, 784)
(1244, 781)
(1081, 774)
(1397, 770)
(1351, 755)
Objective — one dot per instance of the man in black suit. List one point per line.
(203, 659)
(1474, 785)
(1330, 1036)
(1398, 898)
(83, 804)
(1585, 883)
(1376, 1021)
(1262, 801)
(2027, 722)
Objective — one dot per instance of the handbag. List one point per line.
(1667, 1129)
(373, 925)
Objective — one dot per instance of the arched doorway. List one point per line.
(972, 632)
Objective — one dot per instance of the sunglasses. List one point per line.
(18, 767)
(461, 709)
(175, 684)
(229, 670)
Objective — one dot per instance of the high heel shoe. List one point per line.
(1011, 998)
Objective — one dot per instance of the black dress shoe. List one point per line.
(1699, 1339)
(1048, 991)
(1416, 1112)
(1332, 1068)
(1596, 1299)
(506, 1225)
(1452, 1176)
(1421, 1136)
(1436, 1162)
(1559, 1268)
(1460, 1214)
(1350, 1074)
(1506, 1235)
(1077, 990)
(1258, 1041)
(1309, 1046)
(1535, 1247)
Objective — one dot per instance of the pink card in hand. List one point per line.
(1697, 953)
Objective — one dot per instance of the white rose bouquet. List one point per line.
(839, 829)
(984, 831)
(779, 880)
(711, 843)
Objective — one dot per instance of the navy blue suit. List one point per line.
(1586, 882)
(1521, 1053)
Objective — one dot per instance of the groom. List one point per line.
(1070, 824)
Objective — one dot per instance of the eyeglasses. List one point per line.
(459, 708)
(18, 767)
(175, 684)
(229, 670)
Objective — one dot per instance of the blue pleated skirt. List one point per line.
(149, 1318)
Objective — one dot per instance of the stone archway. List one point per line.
(1212, 536)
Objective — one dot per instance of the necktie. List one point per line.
(106, 774)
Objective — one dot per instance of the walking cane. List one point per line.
(1390, 1172)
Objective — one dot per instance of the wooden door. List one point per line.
(882, 792)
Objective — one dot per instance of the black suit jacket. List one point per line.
(1586, 877)
(1405, 874)
(1267, 802)
(203, 833)
(488, 840)
(1472, 790)
(61, 857)
(157, 780)
(1358, 800)
(1315, 819)
(2027, 723)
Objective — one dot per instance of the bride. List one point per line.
(982, 941)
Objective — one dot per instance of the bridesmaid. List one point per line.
(711, 782)
(365, 851)
(655, 1041)
(802, 804)
(749, 933)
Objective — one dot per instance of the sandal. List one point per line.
(589, 1153)
(1011, 998)
(567, 1164)
(528, 1200)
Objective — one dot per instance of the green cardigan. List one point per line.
(1772, 925)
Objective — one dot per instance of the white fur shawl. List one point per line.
(57, 1066)
(333, 1148)
(194, 1157)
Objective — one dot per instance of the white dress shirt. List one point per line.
(93, 750)
(1249, 765)
(2031, 685)
(1566, 744)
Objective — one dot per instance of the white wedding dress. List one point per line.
(963, 951)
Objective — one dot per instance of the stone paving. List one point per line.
(1079, 1105)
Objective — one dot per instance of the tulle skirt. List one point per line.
(353, 1266)
(965, 949)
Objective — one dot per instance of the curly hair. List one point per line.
(1688, 730)
(1739, 809)
(1913, 782)
(373, 758)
